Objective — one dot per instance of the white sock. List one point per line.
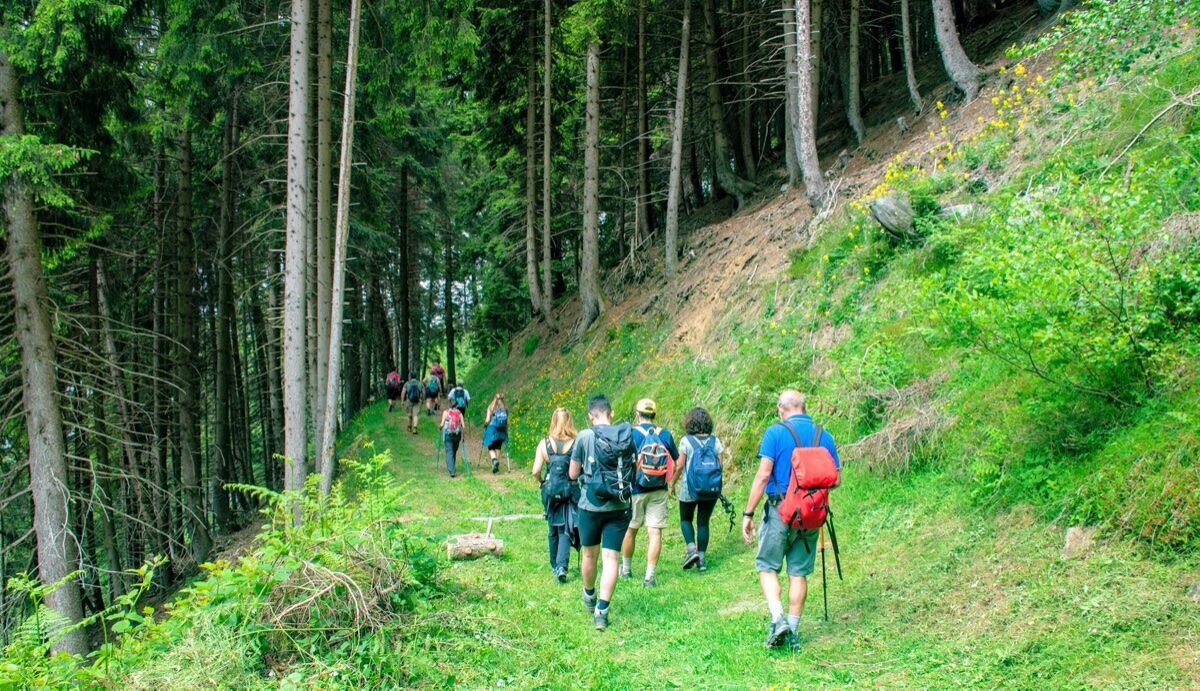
(776, 609)
(625, 562)
(649, 572)
(794, 622)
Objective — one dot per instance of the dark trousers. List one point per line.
(702, 511)
(560, 547)
(452, 442)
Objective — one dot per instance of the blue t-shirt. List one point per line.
(639, 438)
(777, 444)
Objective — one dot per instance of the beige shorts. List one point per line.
(649, 509)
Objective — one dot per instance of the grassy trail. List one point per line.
(937, 593)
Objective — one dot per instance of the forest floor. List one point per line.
(936, 593)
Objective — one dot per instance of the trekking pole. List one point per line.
(824, 583)
(437, 452)
(465, 457)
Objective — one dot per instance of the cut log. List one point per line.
(473, 546)
(895, 214)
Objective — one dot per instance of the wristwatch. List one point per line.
(748, 514)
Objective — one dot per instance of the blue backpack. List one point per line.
(500, 418)
(704, 469)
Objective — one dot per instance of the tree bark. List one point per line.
(589, 273)
(910, 74)
(405, 297)
(531, 239)
(800, 82)
(324, 163)
(744, 106)
(342, 237)
(645, 215)
(675, 182)
(295, 272)
(222, 434)
(816, 17)
(791, 115)
(547, 135)
(854, 94)
(964, 73)
(57, 554)
(724, 166)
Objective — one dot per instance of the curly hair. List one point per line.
(698, 421)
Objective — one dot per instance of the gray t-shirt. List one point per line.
(689, 451)
(584, 453)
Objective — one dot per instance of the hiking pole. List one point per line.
(824, 583)
(437, 449)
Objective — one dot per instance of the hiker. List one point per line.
(697, 483)
(452, 434)
(412, 399)
(433, 390)
(437, 371)
(655, 461)
(776, 541)
(496, 432)
(460, 398)
(392, 381)
(603, 458)
(559, 494)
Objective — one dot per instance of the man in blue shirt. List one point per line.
(649, 506)
(776, 541)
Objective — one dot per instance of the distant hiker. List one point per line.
(559, 494)
(698, 481)
(412, 399)
(392, 381)
(603, 457)
(496, 432)
(460, 398)
(433, 390)
(437, 371)
(656, 454)
(785, 498)
(452, 433)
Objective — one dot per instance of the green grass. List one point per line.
(938, 592)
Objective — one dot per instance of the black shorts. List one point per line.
(604, 528)
(496, 445)
(430, 395)
(393, 393)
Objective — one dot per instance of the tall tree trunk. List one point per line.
(57, 554)
(185, 362)
(404, 297)
(294, 357)
(547, 136)
(790, 88)
(910, 74)
(745, 104)
(816, 18)
(531, 241)
(645, 214)
(854, 94)
(323, 197)
(222, 432)
(800, 84)
(448, 299)
(964, 73)
(675, 183)
(342, 237)
(589, 270)
(724, 166)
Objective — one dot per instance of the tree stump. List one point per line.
(895, 214)
(474, 545)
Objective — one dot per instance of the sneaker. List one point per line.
(561, 575)
(691, 558)
(495, 467)
(793, 641)
(589, 602)
(624, 572)
(650, 583)
(701, 565)
(601, 619)
(453, 475)
(777, 633)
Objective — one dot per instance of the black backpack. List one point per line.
(558, 486)
(612, 474)
(412, 391)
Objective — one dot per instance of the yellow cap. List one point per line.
(646, 406)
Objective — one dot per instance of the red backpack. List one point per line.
(454, 421)
(814, 473)
(393, 378)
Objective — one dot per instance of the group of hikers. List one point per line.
(601, 485)
(452, 422)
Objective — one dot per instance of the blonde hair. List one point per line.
(497, 402)
(561, 425)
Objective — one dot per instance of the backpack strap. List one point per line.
(795, 435)
(817, 434)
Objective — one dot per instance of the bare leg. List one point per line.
(654, 548)
(769, 580)
(608, 579)
(629, 544)
(797, 592)
(587, 566)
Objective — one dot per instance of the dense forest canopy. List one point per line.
(185, 181)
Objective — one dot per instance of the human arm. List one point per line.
(539, 459)
(680, 466)
(765, 466)
(577, 458)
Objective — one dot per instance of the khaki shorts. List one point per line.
(650, 509)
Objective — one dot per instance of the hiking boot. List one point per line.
(601, 619)
(495, 466)
(691, 559)
(701, 565)
(589, 602)
(793, 641)
(624, 572)
(561, 575)
(650, 583)
(777, 633)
